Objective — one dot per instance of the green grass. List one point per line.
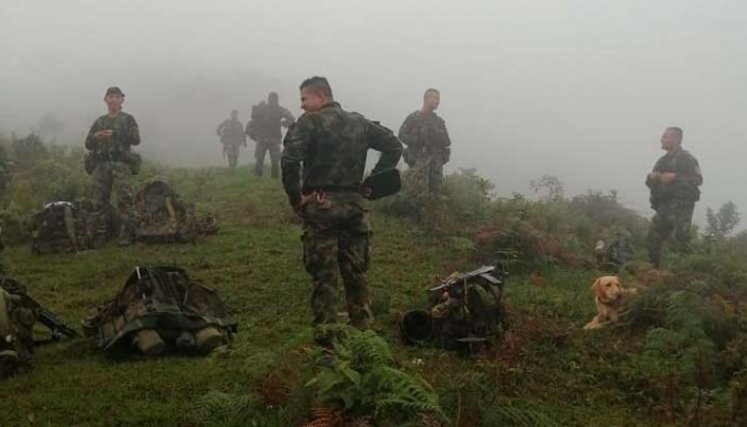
(546, 364)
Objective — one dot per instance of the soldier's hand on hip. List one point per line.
(304, 200)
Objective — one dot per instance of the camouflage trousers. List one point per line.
(670, 217)
(429, 172)
(263, 146)
(16, 330)
(108, 177)
(232, 152)
(336, 237)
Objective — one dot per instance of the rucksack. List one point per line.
(161, 308)
(161, 214)
(70, 227)
(464, 311)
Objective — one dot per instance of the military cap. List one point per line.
(114, 90)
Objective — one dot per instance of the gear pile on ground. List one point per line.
(163, 217)
(70, 227)
(465, 311)
(159, 309)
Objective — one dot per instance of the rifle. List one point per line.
(46, 317)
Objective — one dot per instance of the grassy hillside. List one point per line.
(546, 371)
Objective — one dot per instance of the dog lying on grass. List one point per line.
(610, 299)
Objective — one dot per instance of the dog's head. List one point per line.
(607, 288)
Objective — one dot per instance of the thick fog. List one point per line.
(579, 89)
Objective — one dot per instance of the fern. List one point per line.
(369, 349)
(363, 379)
(225, 409)
(510, 415)
(402, 393)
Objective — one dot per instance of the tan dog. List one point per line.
(609, 298)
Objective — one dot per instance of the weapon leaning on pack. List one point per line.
(463, 309)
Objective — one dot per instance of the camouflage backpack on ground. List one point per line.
(70, 227)
(161, 308)
(465, 311)
(161, 214)
(163, 217)
(59, 227)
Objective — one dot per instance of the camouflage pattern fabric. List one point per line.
(16, 329)
(59, 227)
(70, 226)
(108, 177)
(231, 136)
(163, 217)
(113, 164)
(336, 235)
(331, 145)
(260, 150)
(673, 202)
(428, 147)
(162, 299)
(671, 217)
(125, 135)
(265, 129)
(612, 254)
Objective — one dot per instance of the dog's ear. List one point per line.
(596, 288)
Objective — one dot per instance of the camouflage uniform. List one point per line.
(428, 147)
(112, 169)
(231, 136)
(16, 329)
(332, 145)
(265, 129)
(674, 202)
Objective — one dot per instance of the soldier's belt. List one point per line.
(116, 156)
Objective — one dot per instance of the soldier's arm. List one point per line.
(287, 117)
(690, 173)
(383, 140)
(295, 147)
(133, 132)
(652, 179)
(407, 131)
(446, 139)
(91, 142)
(220, 127)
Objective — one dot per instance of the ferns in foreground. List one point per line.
(509, 415)
(362, 378)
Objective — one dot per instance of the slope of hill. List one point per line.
(546, 370)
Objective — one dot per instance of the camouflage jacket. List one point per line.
(267, 121)
(424, 131)
(125, 134)
(685, 186)
(332, 144)
(231, 132)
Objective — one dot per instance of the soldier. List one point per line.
(265, 129)
(674, 184)
(428, 143)
(231, 133)
(332, 144)
(111, 161)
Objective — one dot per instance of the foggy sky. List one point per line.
(576, 88)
